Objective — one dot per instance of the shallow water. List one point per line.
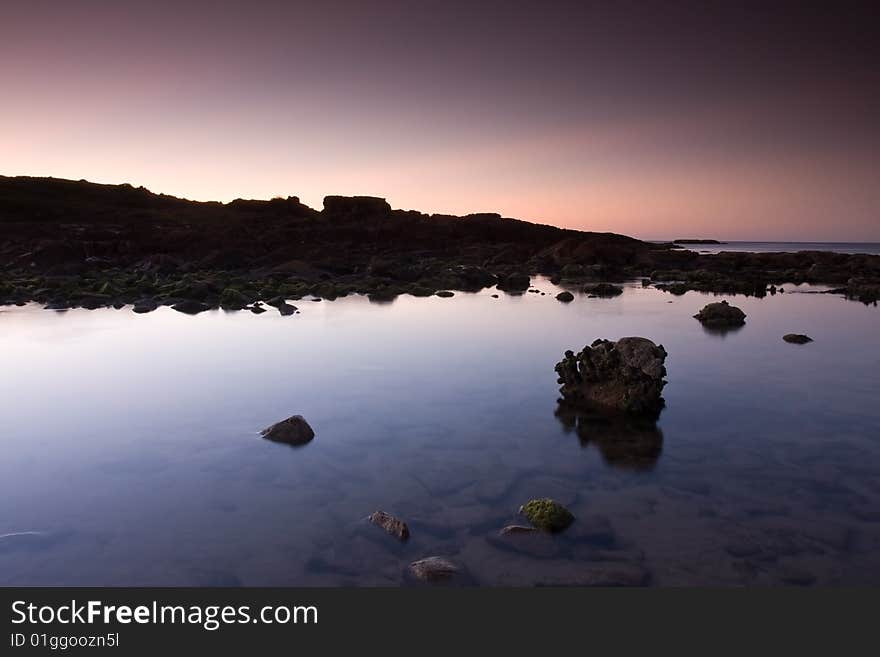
(788, 247)
(131, 453)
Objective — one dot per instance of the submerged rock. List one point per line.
(599, 575)
(721, 314)
(527, 541)
(547, 514)
(390, 524)
(626, 376)
(797, 338)
(516, 529)
(603, 290)
(433, 569)
(292, 431)
(565, 297)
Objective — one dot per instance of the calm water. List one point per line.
(788, 247)
(131, 448)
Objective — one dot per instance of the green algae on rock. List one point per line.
(547, 514)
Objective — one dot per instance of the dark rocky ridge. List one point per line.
(66, 243)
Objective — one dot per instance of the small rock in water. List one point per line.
(145, 306)
(721, 314)
(433, 569)
(565, 296)
(286, 309)
(292, 431)
(445, 294)
(390, 524)
(547, 514)
(256, 309)
(797, 338)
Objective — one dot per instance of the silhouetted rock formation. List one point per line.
(67, 244)
(624, 376)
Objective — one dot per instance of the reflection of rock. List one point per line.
(624, 441)
(626, 376)
(721, 331)
(721, 314)
(390, 524)
(797, 338)
(292, 431)
(433, 569)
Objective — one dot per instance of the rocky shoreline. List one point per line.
(70, 244)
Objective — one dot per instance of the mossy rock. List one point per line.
(547, 514)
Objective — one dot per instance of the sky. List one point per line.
(754, 121)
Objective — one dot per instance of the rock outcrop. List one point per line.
(721, 315)
(292, 431)
(624, 376)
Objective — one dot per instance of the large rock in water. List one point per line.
(626, 376)
(292, 431)
(720, 315)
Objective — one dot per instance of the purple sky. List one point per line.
(658, 120)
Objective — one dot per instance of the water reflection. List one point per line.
(149, 469)
(721, 331)
(627, 442)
